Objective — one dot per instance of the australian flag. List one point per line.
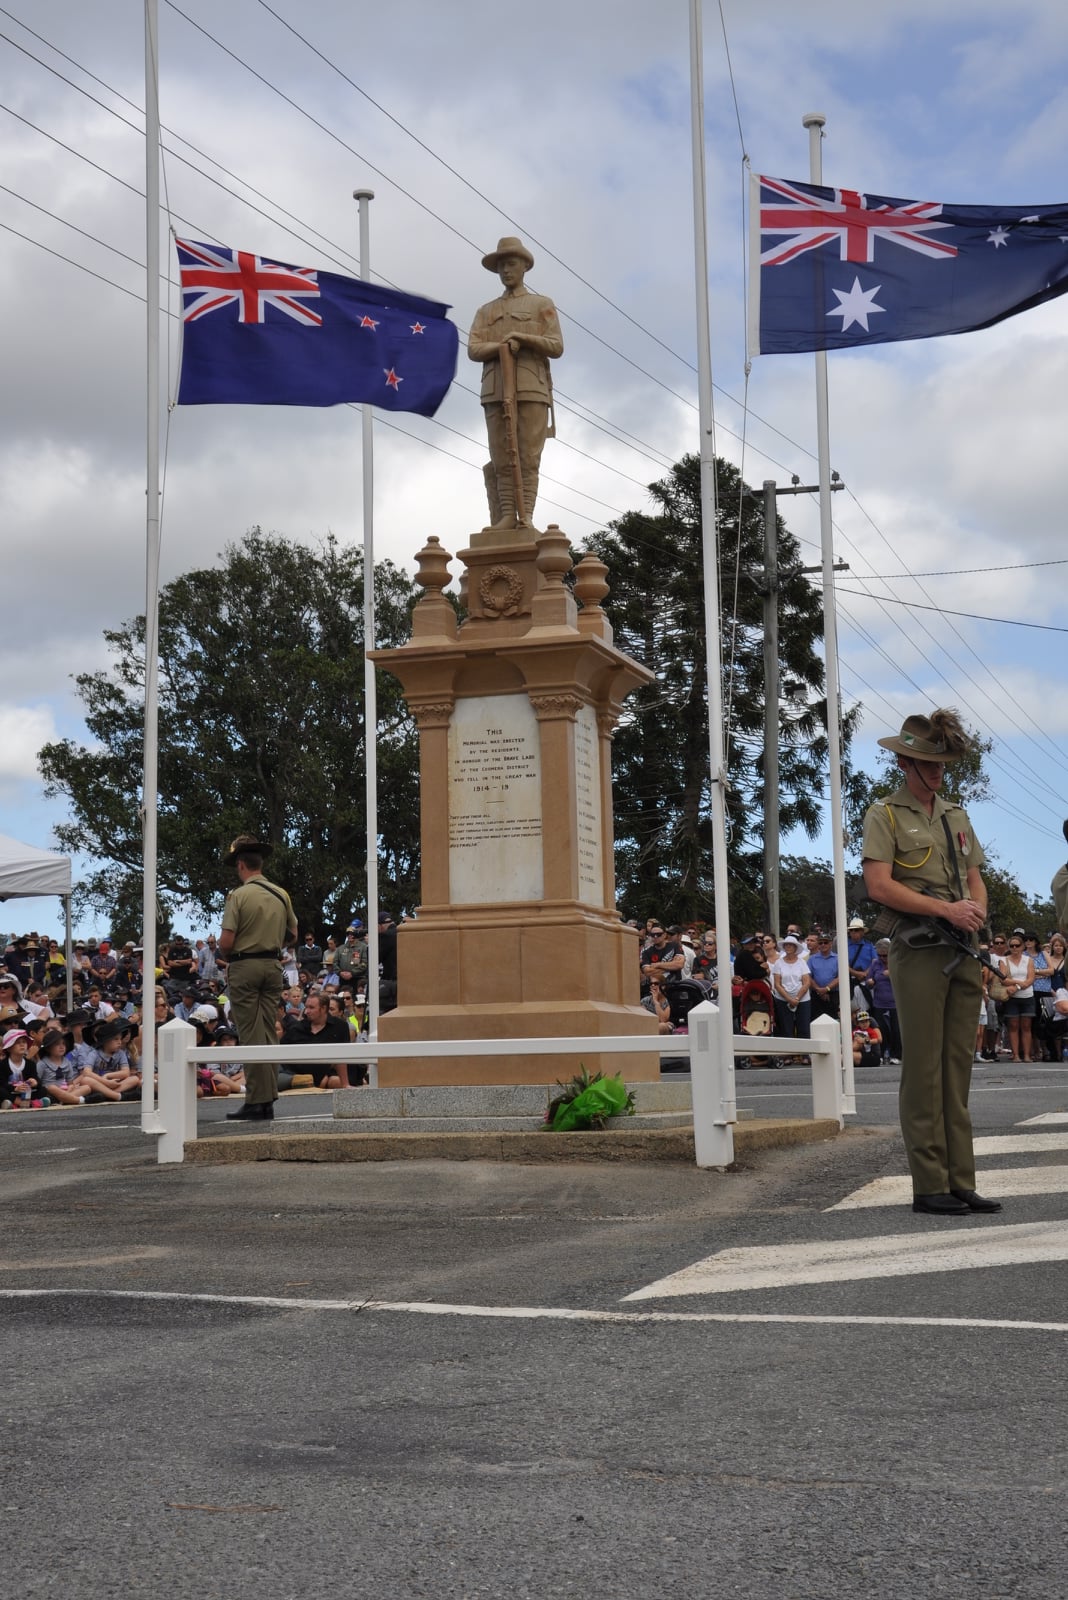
(831, 268)
(258, 332)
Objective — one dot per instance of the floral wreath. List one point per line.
(506, 605)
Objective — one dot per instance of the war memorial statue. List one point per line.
(515, 337)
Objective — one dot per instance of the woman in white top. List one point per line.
(791, 981)
(1018, 971)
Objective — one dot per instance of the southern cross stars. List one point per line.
(392, 381)
(856, 306)
(368, 322)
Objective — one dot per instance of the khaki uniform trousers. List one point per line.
(938, 1013)
(532, 429)
(255, 988)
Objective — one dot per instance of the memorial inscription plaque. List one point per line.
(588, 807)
(495, 844)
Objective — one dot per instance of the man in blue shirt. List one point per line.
(861, 960)
(823, 970)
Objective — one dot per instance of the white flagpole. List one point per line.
(149, 1119)
(814, 122)
(723, 1133)
(370, 688)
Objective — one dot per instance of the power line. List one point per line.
(781, 466)
(943, 611)
(243, 200)
(963, 572)
(397, 123)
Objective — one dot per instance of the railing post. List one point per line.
(177, 1090)
(827, 1070)
(712, 1087)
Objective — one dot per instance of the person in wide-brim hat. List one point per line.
(509, 246)
(932, 738)
(246, 844)
(923, 864)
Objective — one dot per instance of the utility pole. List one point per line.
(770, 592)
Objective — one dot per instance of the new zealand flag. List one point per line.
(258, 332)
(830, 268)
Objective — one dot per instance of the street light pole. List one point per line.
(770, 591)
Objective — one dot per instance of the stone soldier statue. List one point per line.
(923, 863)
(257, 921)
(514, 337)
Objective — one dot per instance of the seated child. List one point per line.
(113, 1063)
(18, 1083)
(867, 1042)
(62, 1079)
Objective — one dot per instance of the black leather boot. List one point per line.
(263, 1111)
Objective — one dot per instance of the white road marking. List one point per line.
(60, 1150)
(970, 1242)
(1019, 1144)
(435, 1308)
(1049, 1118)
(996, 1183)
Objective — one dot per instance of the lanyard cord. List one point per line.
(905, 865)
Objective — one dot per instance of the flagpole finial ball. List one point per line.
(363, 194)
(813, 119)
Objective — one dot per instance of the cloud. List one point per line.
(574, 127)
(25, 729)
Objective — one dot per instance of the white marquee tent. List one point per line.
(26, 871)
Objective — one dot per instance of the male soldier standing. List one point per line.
(257, 922)
(514, 337)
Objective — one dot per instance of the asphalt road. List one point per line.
(429, 1379)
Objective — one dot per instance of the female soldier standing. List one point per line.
(922, 860)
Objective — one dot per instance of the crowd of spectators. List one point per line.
(782, 986)
(90, 1051)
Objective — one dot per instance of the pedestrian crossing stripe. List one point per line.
(1019, 1144)
(996, 1184)
(971, 1242)
(1045, 1118)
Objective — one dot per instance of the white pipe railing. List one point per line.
(712, 1078)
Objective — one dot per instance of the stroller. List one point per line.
(682, 996)
(755, 1016)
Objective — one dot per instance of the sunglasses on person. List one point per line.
(1015, 944)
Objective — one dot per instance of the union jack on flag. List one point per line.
(256, 331)
(853, 220)
(830, 268)
(213, 277)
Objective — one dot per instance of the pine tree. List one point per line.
(661, 754)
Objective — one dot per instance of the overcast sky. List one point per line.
(570, 125)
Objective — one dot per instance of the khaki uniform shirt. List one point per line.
(1059, 888)
(534, 317)
(899, 830)
(258, 916)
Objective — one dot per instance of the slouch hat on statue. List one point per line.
(507, 247)
(939, 737)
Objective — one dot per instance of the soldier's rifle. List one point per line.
(511, 425)
(921, 933)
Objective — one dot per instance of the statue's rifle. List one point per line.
(511, 425)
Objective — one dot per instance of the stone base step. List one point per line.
(488, 1103)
